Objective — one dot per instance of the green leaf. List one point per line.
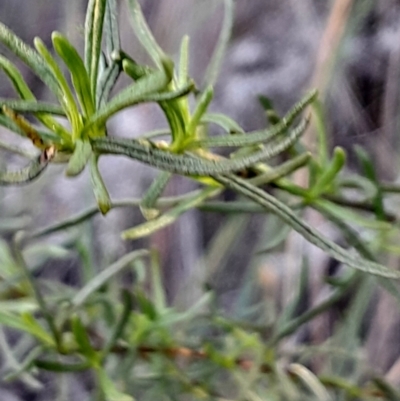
(63, 93)
(20, 369)
(102, 278)
(25, 93)
(257, 137)
(108, 387)
(148, 228)
(310, 380)
(119, 327)
(79, 75)
(133, 94)
(15, 321)
(145, 305)
(25, 126)
(275, 206)
(282, 170)
(329, 173)
(157, 287)
(82, 338)
(32, 106)
(266, 103)
(19, 305)
(27, 174)
(225, 122)
(133, 69)
(56, 366)
(79, 158)
(147, 205)
(99, 188)
(106, 83)
(349, 216)
(16, 79)
(32, 327)
(93, 34)
(10, 124)
(144, 34)
(369, 171)
(189, 165)
(111, 30)
(183, 76)
(28, 55)
(201, 108)
(210, 77)
(320, 124)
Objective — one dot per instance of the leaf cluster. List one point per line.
(149, 346)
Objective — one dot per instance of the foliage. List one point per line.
(133, 342)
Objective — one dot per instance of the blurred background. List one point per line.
(348, 49)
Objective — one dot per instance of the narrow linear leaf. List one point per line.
(232, 207)
(310, 380)
(12, 320)
(144, 34)
(34, 328)
(12, 126)
(201, 108)
(282, 170)
(111, 30)
(329, 173)
(369, 171)
(132, 94)
(133, 69)
(92, 211)
(353, 239)
(98, 281)
(106, 83)
(25, 93)
(272, 116)
(321, 124)
(26, 364)
(148, 228)
(350, 216)
(212, 71)
(309, 233)
(16, 79)
(99, 188)
(32, 106)
(225, 122)
(79, 158)
(55, 366)
(63, 94)
(27, 174)
(182, 105)
(107, 386)
(93, 36)
(25, 126)
(189, 165)
(28, 55)
(158, 293)
(256, 137)
(119, 327)
(183, 76)
(19, 305)
(83, 340)
(147, 205)
(76, 67)
(155, 133)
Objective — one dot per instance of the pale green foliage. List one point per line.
(132, 342)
